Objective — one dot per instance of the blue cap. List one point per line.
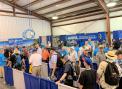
(88, 60)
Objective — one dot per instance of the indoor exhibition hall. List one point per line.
(60, 44)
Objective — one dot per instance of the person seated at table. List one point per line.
(67, 77)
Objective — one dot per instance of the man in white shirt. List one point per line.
(36, 61)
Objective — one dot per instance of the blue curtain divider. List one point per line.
(8, 72)
(27, 81)
(35, 82)
(47, 84)
(32, 82)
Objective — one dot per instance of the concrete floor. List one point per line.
(3, 85)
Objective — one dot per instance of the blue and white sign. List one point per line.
(93, 36)
(28, 34)
(70, 37)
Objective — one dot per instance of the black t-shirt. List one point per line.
(88, 79)
(69, 70)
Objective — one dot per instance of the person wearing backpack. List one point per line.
(108, 74)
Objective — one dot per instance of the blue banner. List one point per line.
(117, 34)
(15, 41)
(63, 38)
(101, 36)
(49, 38)
(92, 36)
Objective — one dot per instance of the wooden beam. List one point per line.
(83, 16)
(69, 7)
(32, 3)
(102, 4)
(62, 16)
(79, 17)
(86, 21)
(16, 16)
(108, 29)
(25, 10)
(111, 10)
(51, 33)
(12, 12)
(50, 5)
(118, 5)
(79, 22)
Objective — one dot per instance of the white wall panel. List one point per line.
(116, 24)
(88, 27)
(12, 27)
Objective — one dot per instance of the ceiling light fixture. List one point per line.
(111, 4)
(55, 17)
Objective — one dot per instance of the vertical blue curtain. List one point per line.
(8, 73)
(32, 82)
(49, 38)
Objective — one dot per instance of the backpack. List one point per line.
(111, 74)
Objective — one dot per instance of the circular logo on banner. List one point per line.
(28, 34)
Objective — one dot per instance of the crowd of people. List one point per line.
(90, 66)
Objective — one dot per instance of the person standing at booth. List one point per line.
(53, 64)
(100, 55)
(36, 61)
(39, 50)
(67, 77)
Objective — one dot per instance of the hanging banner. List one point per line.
(92, 36)
(15, 41)
(117, 34)
(101, 36)
(63, 38)
(28, 42)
